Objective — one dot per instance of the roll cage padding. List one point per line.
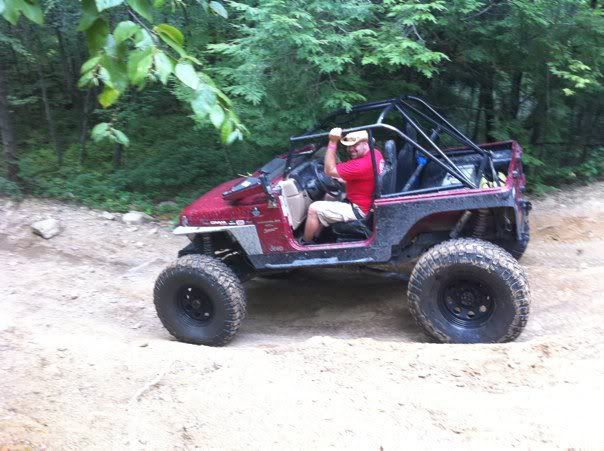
(406, 160)
(387, 178)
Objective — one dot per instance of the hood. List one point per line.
(213, 209)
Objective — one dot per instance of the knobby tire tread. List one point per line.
(475, 252)
(232, 293)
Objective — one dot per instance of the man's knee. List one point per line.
(313, 209)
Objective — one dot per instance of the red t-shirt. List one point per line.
(358, 175)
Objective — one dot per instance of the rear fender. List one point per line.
(504, 221)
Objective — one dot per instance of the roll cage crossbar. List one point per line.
(410, 109)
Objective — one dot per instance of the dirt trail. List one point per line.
(327, 359)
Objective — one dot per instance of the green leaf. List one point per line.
(158, 3)
(163, 66)
(104, 4)
(2, 6)
(172, 32)
(172, 43)
(186, 73)
(120, 137)
(219, 9)
(192, 59)
(90, 64)
(142, 7)
(217, 115)
(32, 10)
(100, 131)
(108, 96)
(114, 73)
(96, 35)
(86, 80)
(89, 15)
(225, 131)
(143, 39)
(234, 136)
(11, 12)
(125, 30)
(139, 64)
(203, 102)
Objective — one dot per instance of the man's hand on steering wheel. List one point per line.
(328, 184)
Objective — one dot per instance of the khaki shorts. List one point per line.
(330, 212)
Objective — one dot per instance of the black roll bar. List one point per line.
(451, 170)
(410, 114)
(427, 138)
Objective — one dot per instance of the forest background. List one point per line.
(127, 104)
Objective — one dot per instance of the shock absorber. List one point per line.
(206, 244)
(481, 223)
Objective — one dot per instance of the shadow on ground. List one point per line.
(338, 303)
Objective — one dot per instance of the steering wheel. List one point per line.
(328, 184)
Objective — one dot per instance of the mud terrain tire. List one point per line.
(469, 291)
(199, 300)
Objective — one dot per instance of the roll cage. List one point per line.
(412, 110)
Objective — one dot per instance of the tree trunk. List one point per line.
(84, 126)
(8, 132)
(488, 103)
(472, 101)
(515, 94)
(67, 66)
(117, 156)
(537, 121)
(477, 119)
(49, 119)
(586, 153)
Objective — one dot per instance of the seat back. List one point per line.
(387, 178)
(406, 159)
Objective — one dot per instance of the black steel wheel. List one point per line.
(466, 302)
(200, 300)
(195, 303)
(469, 291)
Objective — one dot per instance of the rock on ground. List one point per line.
(136, 218)
(47, 228)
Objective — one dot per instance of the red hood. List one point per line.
(212, 209)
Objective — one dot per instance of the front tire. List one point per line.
(469, 291)
(200, 300)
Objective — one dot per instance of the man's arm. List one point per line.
(330, 154)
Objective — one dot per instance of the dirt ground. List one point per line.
(328, 359)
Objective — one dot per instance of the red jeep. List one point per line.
(446, 210)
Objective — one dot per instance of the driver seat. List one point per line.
(360, 229)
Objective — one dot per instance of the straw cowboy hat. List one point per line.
(355, 137)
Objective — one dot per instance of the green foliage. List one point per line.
(105, 131)
(126, 57)
(12, 9)
(10, 189)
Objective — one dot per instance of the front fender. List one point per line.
(245, 235)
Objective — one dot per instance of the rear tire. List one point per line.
(469, 291)
(200, 300)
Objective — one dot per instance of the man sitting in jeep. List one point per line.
(358, 177)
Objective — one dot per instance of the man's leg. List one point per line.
(313, 226)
